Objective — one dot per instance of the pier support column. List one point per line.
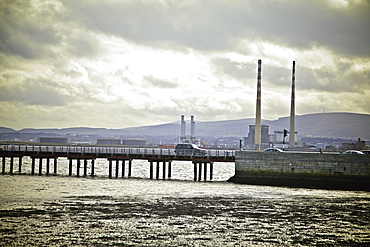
(92, 167)
(151, 169)
(78, 167)
(20, 164)
(205, 171)
(85, 167)
(211, 171)
(3, 170)
(200, 171)
(129, 168)
(169, 170)
(55, 165)
(117, 164)
(110, 168)
(11, 165)
(123, 168)
(157, 171)
(33, 166)
(47, 166)
(70, 167)
(164, 170)
(40, 166)
(195, 171)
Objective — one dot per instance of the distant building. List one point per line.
(108, 141)
(279, 136)
(359, 145)
(265, 138)
(55, 140)
(134, 142)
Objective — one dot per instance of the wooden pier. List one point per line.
(81, 159)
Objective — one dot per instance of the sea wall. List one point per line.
(319, 170)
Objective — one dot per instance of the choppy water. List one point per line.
(71, 211)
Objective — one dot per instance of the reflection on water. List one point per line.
(62, 210)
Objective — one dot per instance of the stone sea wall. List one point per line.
(321, 170)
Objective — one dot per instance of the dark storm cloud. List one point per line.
(30, 91)
(219, 24)
(24, 32)
(327, 80)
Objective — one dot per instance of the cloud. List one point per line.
(155, 82)
(218, 25)
(125, 63)
(30, 91)
(25, 30)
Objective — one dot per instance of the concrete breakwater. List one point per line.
(309, 170)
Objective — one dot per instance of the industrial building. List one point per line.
(265, 138)
(54, 140)
(134, 142)
(108, 141)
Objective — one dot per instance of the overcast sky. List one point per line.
(122, 63)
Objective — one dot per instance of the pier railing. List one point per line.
(213, 155)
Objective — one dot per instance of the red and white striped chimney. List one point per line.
(257, 126)
(292, 111)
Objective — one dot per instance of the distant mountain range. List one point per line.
(330, 125)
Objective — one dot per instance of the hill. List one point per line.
(329, 125)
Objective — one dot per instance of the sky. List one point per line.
(125, 63)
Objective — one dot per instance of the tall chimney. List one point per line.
(182, 129)
(192, 129)
(257, 128)
(292, 111)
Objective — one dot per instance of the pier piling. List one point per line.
(92, 167)
(11, 165)
(169, 170)
(85, 167)
(129, 168)
(151, 169)
(19, 164)
(70, 167)
(195, 171)
(3, 170)
(200, 172)
(123, 168)
(40, 166)
(47, 166)
(78, 167)
(164, 170)
(211, 171)
(110, 169)
(32, 166)
(157, 171)
(55, 165)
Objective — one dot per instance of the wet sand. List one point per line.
(197, 221)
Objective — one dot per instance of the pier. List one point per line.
(81, 160)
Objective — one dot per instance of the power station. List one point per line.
(188, 139)
(258, 135)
